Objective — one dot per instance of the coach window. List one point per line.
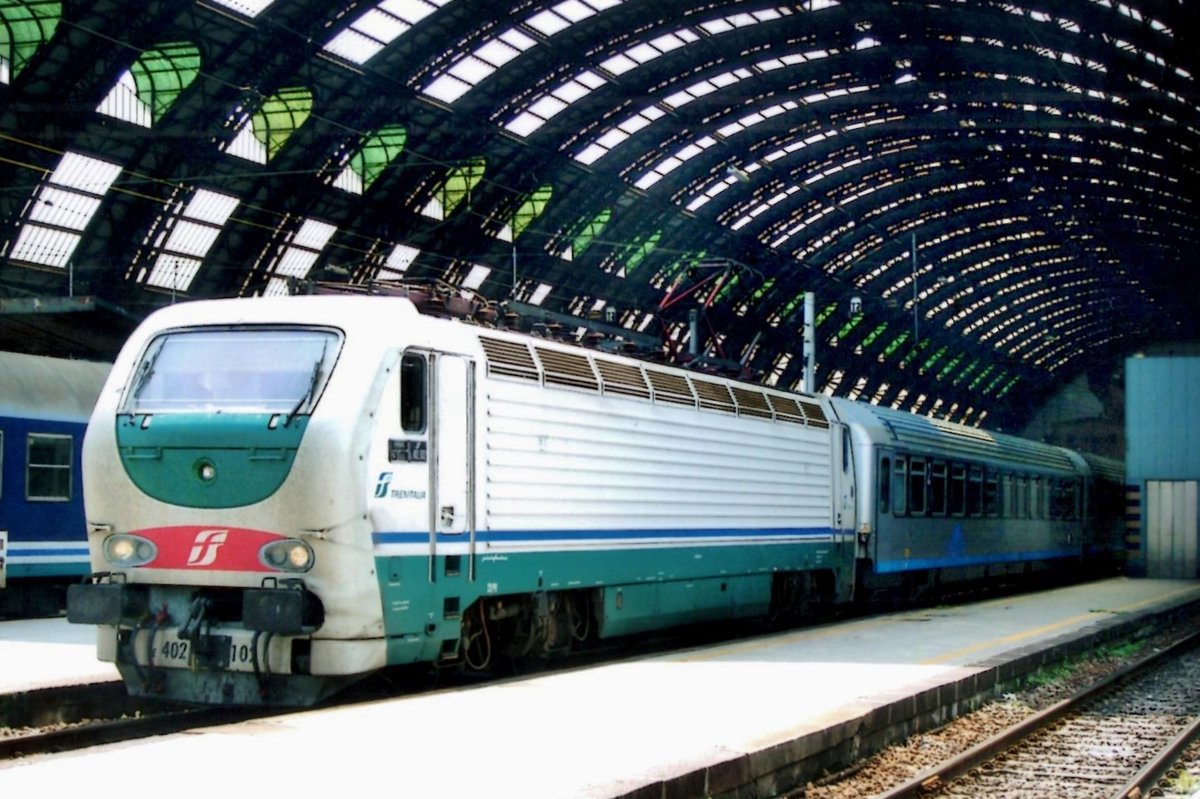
(974, 491)
(900, 485)
(1, 463)
(1021, 506)
(991, 493)
(916, 486)
(937, 488)
(412, 393)
(1008, 498)
(958, 489)
(885, 484)
(48, 472)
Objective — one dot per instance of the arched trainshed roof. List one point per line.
(1009, 188)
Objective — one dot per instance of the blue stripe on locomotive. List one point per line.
(731, 535)
(46, 538)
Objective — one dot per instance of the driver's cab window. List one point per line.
(413, 412)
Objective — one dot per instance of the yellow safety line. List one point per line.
(1055, 626)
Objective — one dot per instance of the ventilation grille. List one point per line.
(814, 414)
(619, 378)
(581, 370)
(714, 396)
(751, 403)
(567, 369)
(786, 409)
(508, 358)
(674, 389)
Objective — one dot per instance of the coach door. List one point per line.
(451, 464)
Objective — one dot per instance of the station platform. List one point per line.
(738, 719)
(49, 653)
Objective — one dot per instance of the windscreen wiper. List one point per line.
(313, 380)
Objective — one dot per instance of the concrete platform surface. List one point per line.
(688, 724)
(49, 653)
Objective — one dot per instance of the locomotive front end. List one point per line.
(220, 506)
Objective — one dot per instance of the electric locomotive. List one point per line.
(44, 405)
(287, 494)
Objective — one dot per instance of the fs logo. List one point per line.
(205, 546)
(381, 487)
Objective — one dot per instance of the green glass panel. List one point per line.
(874, 334)
(981, 377)
(378, 151)
(281, 115)
(637, 253)
(949, 367)
(531, 209)
(787, 310)
(26, 26)
(590, 231)
(163, 73)
(849, 326)
(824, 314)
(460, 183)
(966, 372)
(995, 381)
(1008, 386)
(932, 359)
(762, 290)
(896, 344)
(726, 288)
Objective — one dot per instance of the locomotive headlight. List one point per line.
(129, 550)
(290, 554)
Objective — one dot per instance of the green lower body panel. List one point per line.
(633, 590)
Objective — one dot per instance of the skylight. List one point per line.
(61, 209)
(378, 27)
(193, 231)
(299, 257)
(247, 8)
(468, 71)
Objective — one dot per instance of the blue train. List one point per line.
(286, 494)
(44, 407)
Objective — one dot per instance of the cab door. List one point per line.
(845, 507)
(451, 521)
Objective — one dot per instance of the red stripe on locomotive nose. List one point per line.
(207, 547)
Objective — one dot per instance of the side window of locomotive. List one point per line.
(916, 486)
(885, 485)
(48, 468)
(958, 489)
(900, 486)
(413, 412)
(846, 456)
(937, 488)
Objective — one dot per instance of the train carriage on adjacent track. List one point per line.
(45, 404)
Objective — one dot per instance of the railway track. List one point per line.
(1129, 734)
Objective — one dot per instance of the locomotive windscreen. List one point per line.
(233, 370)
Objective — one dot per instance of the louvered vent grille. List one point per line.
(816, 416)
(508, 358)
(714, 396)
(618, 378)
(786, 409)
(670, 388)
(567, 369)
(751, 403)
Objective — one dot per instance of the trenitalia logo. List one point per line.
(205, 546)
(195, 547)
